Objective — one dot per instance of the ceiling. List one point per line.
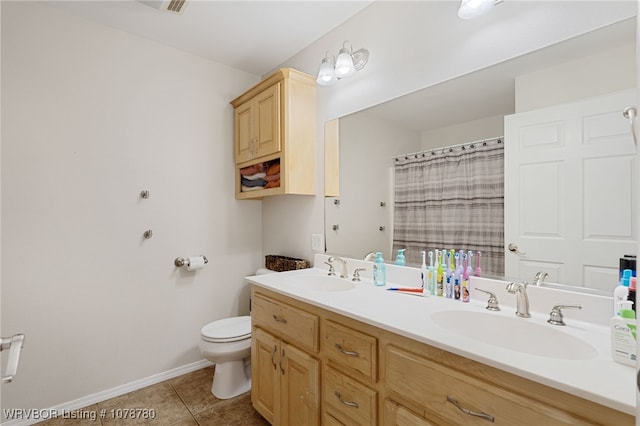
(252, 36)
(257, 36)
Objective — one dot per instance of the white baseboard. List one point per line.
(111, 393)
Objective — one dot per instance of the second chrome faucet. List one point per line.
(343, 265)
(522, 299)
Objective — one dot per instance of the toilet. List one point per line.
(227, 343)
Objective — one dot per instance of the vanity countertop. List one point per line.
(598, 379)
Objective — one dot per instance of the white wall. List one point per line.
(469, 131)
(408, 53)
(606, 72)
(90, 117)
(365, 181)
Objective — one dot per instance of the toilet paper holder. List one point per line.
(184, 261)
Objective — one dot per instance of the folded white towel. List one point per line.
(256, 176)
(251, 188)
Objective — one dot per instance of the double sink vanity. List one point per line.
(330, 350)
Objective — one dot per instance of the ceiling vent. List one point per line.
(173, 6)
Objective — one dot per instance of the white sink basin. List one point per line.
(516, 334)
(322, 283)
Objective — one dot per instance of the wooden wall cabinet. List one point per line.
(372, 377)
(275, 122)
(257, 125)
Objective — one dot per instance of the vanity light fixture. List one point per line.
(470, 9)
(345, 65)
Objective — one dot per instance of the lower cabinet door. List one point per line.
(300, 387)
(265, 374)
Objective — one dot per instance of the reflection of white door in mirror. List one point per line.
(571, 196)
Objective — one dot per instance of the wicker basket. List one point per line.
(284, 263)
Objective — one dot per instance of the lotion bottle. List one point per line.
(400, 259)
(621, 292)
(632, 292)
(623, 335)
(379, 270)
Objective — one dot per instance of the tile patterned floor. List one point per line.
(182, 401)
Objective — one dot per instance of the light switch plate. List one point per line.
(317, 243)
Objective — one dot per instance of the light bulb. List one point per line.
(326, 74)
(344, 64)
(470, 9)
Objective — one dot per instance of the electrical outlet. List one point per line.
(317, 243)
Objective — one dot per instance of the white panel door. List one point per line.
(571, 191)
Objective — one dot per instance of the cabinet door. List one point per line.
(267, 121)
(265, 374)
(300, 387)
(244, 132)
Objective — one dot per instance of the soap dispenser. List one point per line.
(379, 270)
(400, 260)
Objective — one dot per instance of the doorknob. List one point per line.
(513, 247)
(14, 345)
(630, 114)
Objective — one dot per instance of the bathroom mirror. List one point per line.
(360, 219)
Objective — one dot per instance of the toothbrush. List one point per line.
(469, 270)
(465, 277)
(478, 270)
(449, 280)
(459, 267)
(451, 256)
(432, 275)
(441, 267)
(423, 271)
(457, 275)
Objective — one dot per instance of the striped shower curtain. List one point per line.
(452, 198)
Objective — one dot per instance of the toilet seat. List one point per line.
(227, 330)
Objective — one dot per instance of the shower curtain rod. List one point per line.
(406, 156)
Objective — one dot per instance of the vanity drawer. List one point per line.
(350, 402)
(437, 389)
(397, 415)
(351, 349)
(329, 420)
(289, 323)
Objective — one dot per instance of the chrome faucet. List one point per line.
(522, 300)
(369, 256)
(539, 278)
(343, 266)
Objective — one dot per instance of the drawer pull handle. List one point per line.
(282, 359)
(273, 357)
(279, 319)
(469, 412)
(350, 353)
(347, 403)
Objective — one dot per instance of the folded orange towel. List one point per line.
(273, 169)
(252, 169)
(274, 184)
(271, 178)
